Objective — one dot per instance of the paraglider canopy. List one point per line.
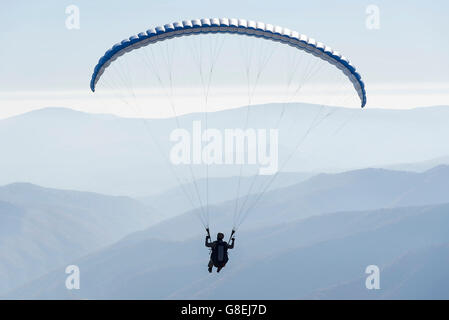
(232, 26)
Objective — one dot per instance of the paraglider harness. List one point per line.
(219, 253)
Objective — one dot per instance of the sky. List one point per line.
(403, 62)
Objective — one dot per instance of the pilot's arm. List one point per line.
(231, 246)
(208, 243)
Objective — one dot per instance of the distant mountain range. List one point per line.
(308, 240)
(418, 274)
(364, 189)
(66, 149)
(319, 257)
(42, 228)
(173, 202)
(420, 166)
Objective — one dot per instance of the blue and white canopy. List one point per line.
(232, 26)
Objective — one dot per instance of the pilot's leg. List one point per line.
(210, 265)
(221, 267)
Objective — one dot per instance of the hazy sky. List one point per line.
(404, 63)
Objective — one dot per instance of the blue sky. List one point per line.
(408, 50)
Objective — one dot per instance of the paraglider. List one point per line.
(219, 251)
(215, 28)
